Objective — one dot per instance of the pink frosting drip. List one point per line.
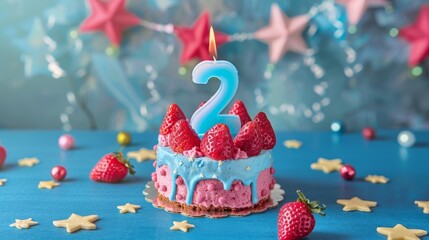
(163, 140)
(193, 153)
(210, 192)
(240, 154)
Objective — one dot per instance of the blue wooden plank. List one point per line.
(20, 197)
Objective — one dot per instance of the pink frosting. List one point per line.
(193, 153)
(240, 154)
(210, 192)
(163, 140)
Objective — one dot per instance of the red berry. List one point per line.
(173, 114)
(368, 133)
(295, 220)
(111, 168)
(240, 110)
(217, 143)
(58, 173)
(348, 172)
(3, 155)
(249, 139)
(183, 137)
(267, 131)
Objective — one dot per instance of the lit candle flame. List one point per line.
(212, 44)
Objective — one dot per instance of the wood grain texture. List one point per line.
(20, 198)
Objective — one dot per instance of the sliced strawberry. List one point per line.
(173, 114)
(111, 168)
(183, 137)
(240, 110)
(267, 131)
(249, 139)
(217, 143)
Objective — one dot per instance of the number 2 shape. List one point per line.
(209, 114)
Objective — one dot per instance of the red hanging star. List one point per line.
(109, 17)
(195, 39)
(417, 34)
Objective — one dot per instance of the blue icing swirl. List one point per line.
(194, 170)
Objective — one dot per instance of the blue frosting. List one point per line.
(194, 170)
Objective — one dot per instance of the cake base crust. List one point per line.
(159, 201)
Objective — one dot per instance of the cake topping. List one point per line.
(128, 208)
(217, 143)
(174, 114)
(267, 131)
(239, 154)
(183, 137)
(193, 153)
(356, 204)
(182, 226)
(240, 110)
(249, 139)
(76, 222)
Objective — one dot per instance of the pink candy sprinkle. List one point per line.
(264, 192)
(199, 198)
(179, 181)
(154, 164)
(156, 185)
(163, 188)
(179, 197)
(210, 187)
(154, 177)
(163, 173)
(221, 200)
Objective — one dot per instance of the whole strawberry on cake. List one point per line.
(216, 175)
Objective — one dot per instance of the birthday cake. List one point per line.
(217, 173)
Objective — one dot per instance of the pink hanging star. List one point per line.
(109, 17)
(283, 34)
(195, 39)
(417, 34)
(357, 8)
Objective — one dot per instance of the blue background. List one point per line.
(360, 78)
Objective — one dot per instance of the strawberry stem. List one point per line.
(126, 162)
(314, 206)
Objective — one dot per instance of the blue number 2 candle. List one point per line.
(210, 113)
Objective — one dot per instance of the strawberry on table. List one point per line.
(267, 131)
(2, 156)
(249, 139)
(111, 168)
(296, 220)
(239, 109)
(173, 114)
(217, 143)
(183, 137)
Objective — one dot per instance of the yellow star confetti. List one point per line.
(142, 155)
(28, 162)
(48, 184)
(76, 222)
(128, 208)
(376, 179)
(21, 224)
(292, 144)
(327, 166)
(2, 181)
(424, 205)
(356, 203)
(399, 232)
(183, 226)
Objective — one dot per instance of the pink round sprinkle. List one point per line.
(179, 197)
(210, 187)
(264, 192)
(163, 188)
(271, 186)
(179, 181)
(66, 142)
(272, 170)
(237, 188)
(221, 200)
(199, 198)
(154, 177)
(274, 181)
(163, 173)
(154, 163)
(157, 185)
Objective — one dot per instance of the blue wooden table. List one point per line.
(20, 198)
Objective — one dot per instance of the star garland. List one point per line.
(282, 34)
